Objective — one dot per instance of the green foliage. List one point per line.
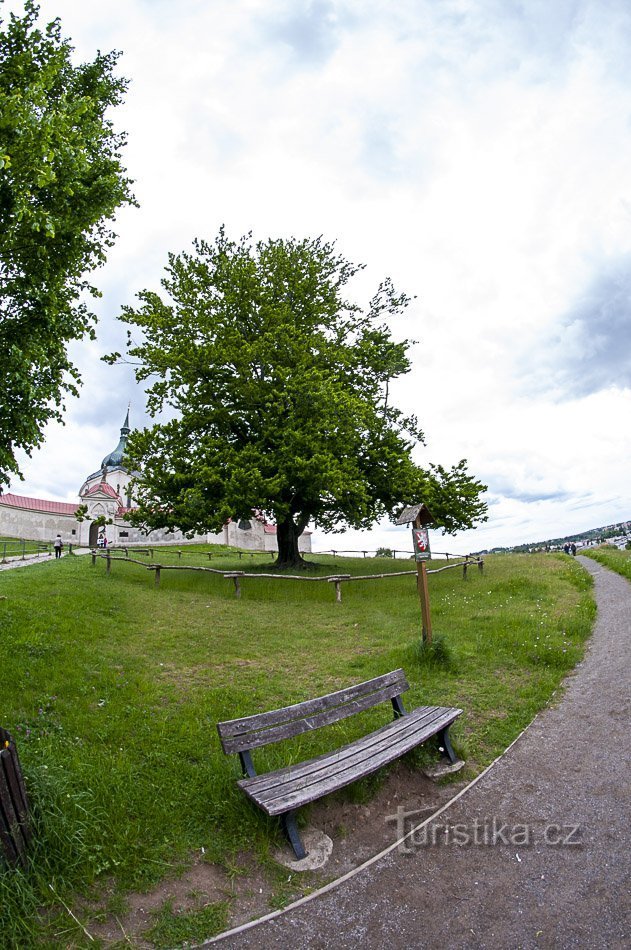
(61, 181)
(280, 388)
(384, 552)
(81, 514)
(101, 521)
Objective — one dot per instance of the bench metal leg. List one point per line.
(290, 829)
(444, 741)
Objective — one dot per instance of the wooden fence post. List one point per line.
(481, 566)
(93, 558)
(464, 571)
(157, 577)
(423, 593)
(237, 587)
(108, 560)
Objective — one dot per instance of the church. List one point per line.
(105, 498)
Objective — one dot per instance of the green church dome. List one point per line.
(115, 458)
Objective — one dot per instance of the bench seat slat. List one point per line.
(252, 732)
(291, 774)
(286, 789)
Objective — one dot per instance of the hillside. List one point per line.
(616, 533)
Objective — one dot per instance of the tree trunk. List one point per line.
(287, 534)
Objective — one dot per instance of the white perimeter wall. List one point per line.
(44, 526)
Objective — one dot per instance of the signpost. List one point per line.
(419, 516)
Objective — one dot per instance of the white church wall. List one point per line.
(105, 493)
(41, 525)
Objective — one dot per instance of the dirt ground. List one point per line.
(358, 833)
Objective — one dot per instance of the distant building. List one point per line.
(106, 494)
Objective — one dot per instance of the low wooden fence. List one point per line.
(15, 831)
(149, 552)
(237, 577)
(23, 549)
(393, 553)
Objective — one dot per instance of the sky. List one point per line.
(478, 152)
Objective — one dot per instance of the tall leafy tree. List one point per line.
(61, 182)
(277, 389)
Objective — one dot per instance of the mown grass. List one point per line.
(112, 688)
(15, 547)
(611, 557)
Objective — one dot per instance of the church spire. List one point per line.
(125, 430)
(115, 458)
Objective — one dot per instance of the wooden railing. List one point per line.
(238, 576)
(23, 549)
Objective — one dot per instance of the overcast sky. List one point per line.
(476, 151)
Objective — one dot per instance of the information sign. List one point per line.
(420, 540)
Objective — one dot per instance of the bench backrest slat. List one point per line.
(238, 735)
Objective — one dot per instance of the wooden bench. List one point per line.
(283, 791)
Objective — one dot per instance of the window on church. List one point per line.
(74, 530)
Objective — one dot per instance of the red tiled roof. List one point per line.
(103, 488)
(38, 504)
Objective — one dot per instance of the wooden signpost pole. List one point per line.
(423, 593)
(419, 516)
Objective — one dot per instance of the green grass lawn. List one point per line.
(611, 557)
(112, 687)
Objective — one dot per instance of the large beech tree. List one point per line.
(277, 387)
(61, 181)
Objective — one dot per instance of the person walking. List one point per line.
(58, 545)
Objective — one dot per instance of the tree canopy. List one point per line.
(61, 181)
(277, 388)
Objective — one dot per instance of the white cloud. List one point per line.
(477, 151)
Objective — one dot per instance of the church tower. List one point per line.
(106, 493)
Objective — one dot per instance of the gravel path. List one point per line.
(536, 854)
(13, 562)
